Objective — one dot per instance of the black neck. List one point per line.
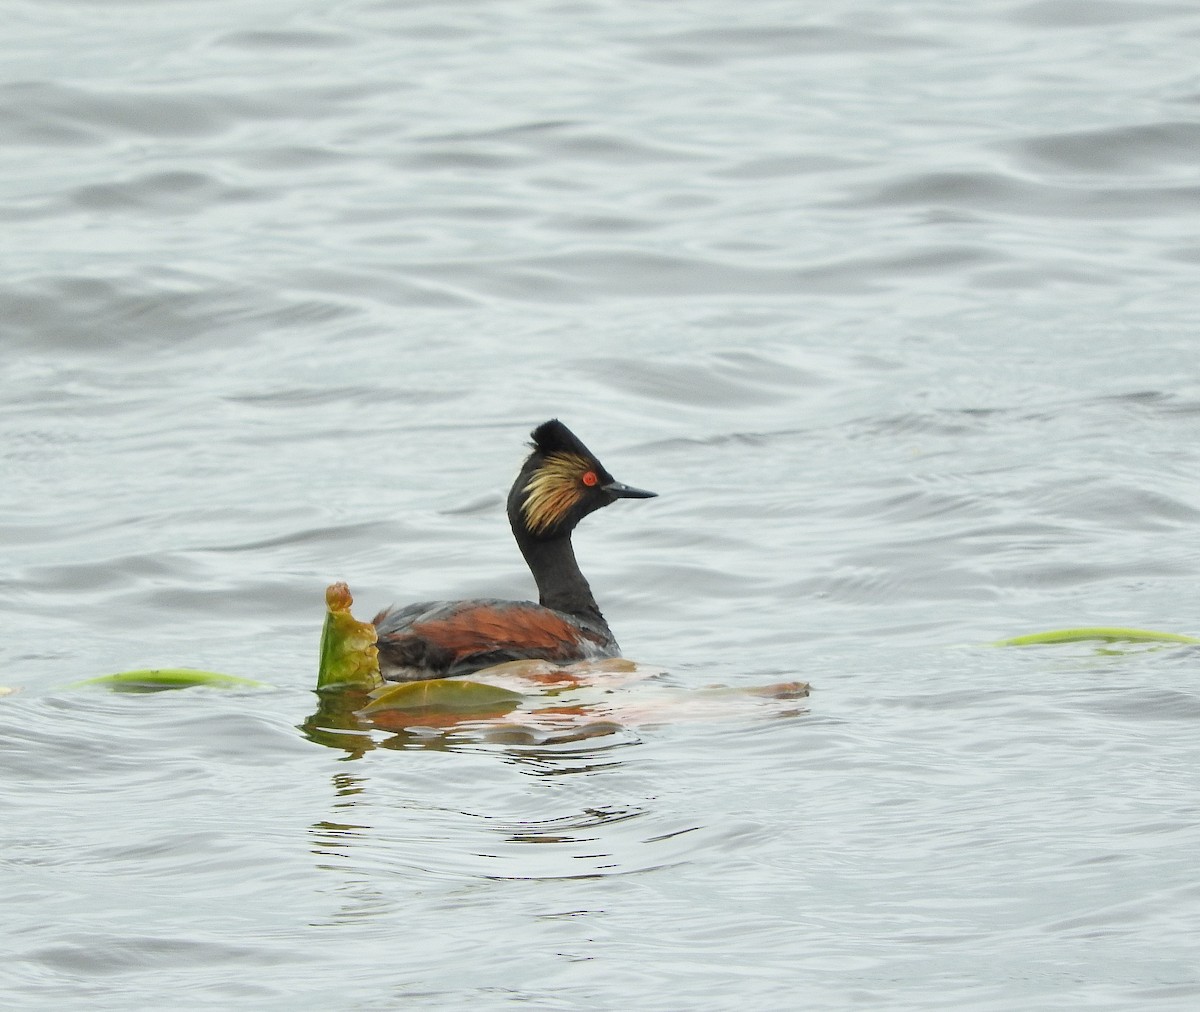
(561, 585)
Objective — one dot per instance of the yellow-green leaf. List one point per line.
(1108, 634)
(159, 679)
(446, 694)
(348, 652)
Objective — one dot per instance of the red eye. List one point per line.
(589, 478)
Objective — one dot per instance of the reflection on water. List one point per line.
(538, 704)
(333, 839)
(381, 825)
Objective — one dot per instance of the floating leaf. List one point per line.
(444, 694)
(1108, 634)
(160, 679)
(348, 652)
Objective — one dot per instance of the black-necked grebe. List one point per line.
(559, 484)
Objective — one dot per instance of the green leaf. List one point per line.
(443, 694)
(348, 652)
(1108, 634)
(159, 679)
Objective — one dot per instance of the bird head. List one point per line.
(560, 483)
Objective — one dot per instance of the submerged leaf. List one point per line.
(348, 652)
(1108, 634)
(160, 679)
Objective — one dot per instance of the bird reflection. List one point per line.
(537, 711)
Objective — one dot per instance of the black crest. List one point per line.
(554, 437)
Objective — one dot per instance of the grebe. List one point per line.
(559, 484)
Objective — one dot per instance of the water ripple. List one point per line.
(1004, 193)
(1144, 149)
(1083, 14)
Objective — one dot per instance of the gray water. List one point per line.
(893, 303)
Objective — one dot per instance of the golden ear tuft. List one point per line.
(553, 489)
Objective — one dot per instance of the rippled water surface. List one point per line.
(894, 304)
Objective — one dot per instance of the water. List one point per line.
(893, 304)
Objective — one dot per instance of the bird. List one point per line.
(560, 482)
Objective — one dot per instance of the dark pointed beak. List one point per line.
(619, 491)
